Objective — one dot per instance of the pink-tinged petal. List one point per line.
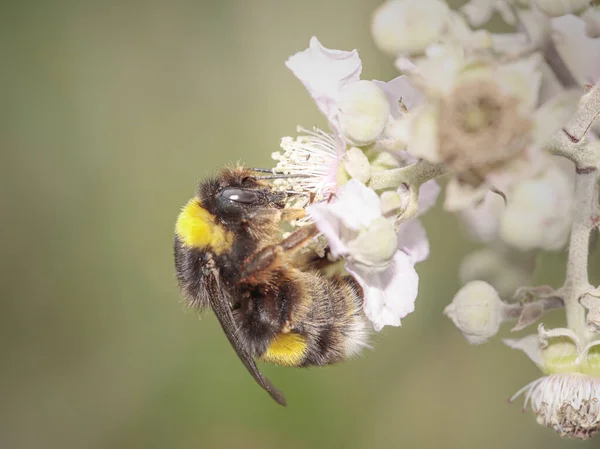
(324, 72)
(413, 241)
(400, 88)
(428, 195)
(530, 345)
(356, 205)
(330, 225)
(580, 53)
(354, 208)
(390, 294)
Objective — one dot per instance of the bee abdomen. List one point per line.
(335, 328)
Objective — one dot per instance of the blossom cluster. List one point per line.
(479, 109)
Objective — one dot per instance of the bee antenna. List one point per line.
(282, 176)
(262, 170)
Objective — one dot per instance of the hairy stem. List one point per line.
(570, 142)
(577, 283)
(413, 175)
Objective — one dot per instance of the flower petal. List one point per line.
(356, 205)
(324, 72)
(390, 294)
(401, 89)
(428, 195)
(530, 345)
(355, 208)
(330, 225)
(580, 53)
(413, 241)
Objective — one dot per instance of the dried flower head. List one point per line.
(480, 128)
(569, 403)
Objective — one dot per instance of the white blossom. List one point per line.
(408, 26)
(477, 311)
(567, 399)
(379, 256)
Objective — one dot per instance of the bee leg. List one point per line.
(258, 265)
(262, 216)
(292, 214)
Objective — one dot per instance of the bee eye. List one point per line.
(244, 196)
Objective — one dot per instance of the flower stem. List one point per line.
(577, 283)
(570, 142)
(414, 175)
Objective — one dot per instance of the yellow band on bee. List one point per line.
(197, 228)
(286, 350)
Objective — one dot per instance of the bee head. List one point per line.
(236, 191)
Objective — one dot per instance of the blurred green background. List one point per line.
(111, 112)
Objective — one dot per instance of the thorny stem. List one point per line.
(570, 142)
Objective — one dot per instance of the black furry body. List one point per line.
(268, 293)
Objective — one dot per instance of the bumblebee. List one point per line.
(273, 301)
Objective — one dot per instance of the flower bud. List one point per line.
(539, 212)
(376, 245)
(357, 165)
(364, 112)
(592, 22)
(477, 311)
(557, 8)
(408, 26)
(392, 201)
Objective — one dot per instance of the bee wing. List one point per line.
(222, 309)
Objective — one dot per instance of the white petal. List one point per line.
(428, 195)
(522, 79)
(324, 72)
(389, 295)
(530, 345)
(408, 26)
(401, 89)
(356, 205)
(460, 196)
(357, 164)
(424, 128)
(580, 53)
(478, 12)
(330, 226)
(592, 22)
(412, 240)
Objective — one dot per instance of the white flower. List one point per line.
(568, 398)
(315, 157)
(539, 213)
(408, 26)
(479, 12)
(358, 110)
(379, 257)
(479, 118)
(477, 311)
(557, 8)
(324, 72)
